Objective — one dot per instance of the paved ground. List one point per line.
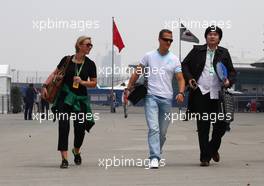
(28, 153)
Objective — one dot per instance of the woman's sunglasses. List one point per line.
(89, 45)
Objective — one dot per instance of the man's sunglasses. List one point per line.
(167, 40)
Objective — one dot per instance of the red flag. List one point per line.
(117, 40)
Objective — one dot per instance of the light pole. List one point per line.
(17, 76)
(13, 74)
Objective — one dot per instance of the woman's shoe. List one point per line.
(64, 164)
(77, 157)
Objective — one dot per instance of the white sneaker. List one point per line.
(154, 163)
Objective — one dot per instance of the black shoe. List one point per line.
(204, 163)
(216, 157)
(77, 157)
(228, 129)
(64, 164)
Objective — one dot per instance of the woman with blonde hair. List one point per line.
(72, 98)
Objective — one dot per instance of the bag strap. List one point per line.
(67, 62)
(65, 65)
(146, 77)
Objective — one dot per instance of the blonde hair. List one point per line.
(80, 41)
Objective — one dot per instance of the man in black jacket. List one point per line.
(199, 69)
(29, 101)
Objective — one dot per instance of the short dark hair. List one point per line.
(164, 31)
(214, 28)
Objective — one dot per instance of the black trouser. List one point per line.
(125, 109)
(64, 129)
(204, 105)
(44, 108)
(28, 111)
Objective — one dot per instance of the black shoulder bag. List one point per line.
(139, 92)
(226, 105)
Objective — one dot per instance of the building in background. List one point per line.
(5, 89)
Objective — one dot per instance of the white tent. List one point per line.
(5, 87)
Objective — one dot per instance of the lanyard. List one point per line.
(211, 70)
(77, 72)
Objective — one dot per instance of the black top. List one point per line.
(30, 95)
(194, 62)
(88, 71)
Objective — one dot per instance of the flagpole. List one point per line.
(180, 39)
(112, 92)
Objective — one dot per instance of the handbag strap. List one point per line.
(145, 78)
(65, 65)
(68, 59)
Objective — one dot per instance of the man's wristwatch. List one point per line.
(182, 93)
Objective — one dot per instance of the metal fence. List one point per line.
(256, 103)
(241, 102)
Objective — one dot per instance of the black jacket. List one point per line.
(30, 95)
(194, 62)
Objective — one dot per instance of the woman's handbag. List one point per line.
(55, 84)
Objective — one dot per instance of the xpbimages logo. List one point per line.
(61, 24)
(126, 162)
(212, 117)
(108, 71)
(175, 24)
(81, 117)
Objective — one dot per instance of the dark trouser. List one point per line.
(28, 111)
(44, 108)
(125, 109)
(64, 129)
(203, 104)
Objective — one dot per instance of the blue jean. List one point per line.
(156, 110)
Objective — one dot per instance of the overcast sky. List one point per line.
(26, 46)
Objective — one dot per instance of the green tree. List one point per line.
(16, 99)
